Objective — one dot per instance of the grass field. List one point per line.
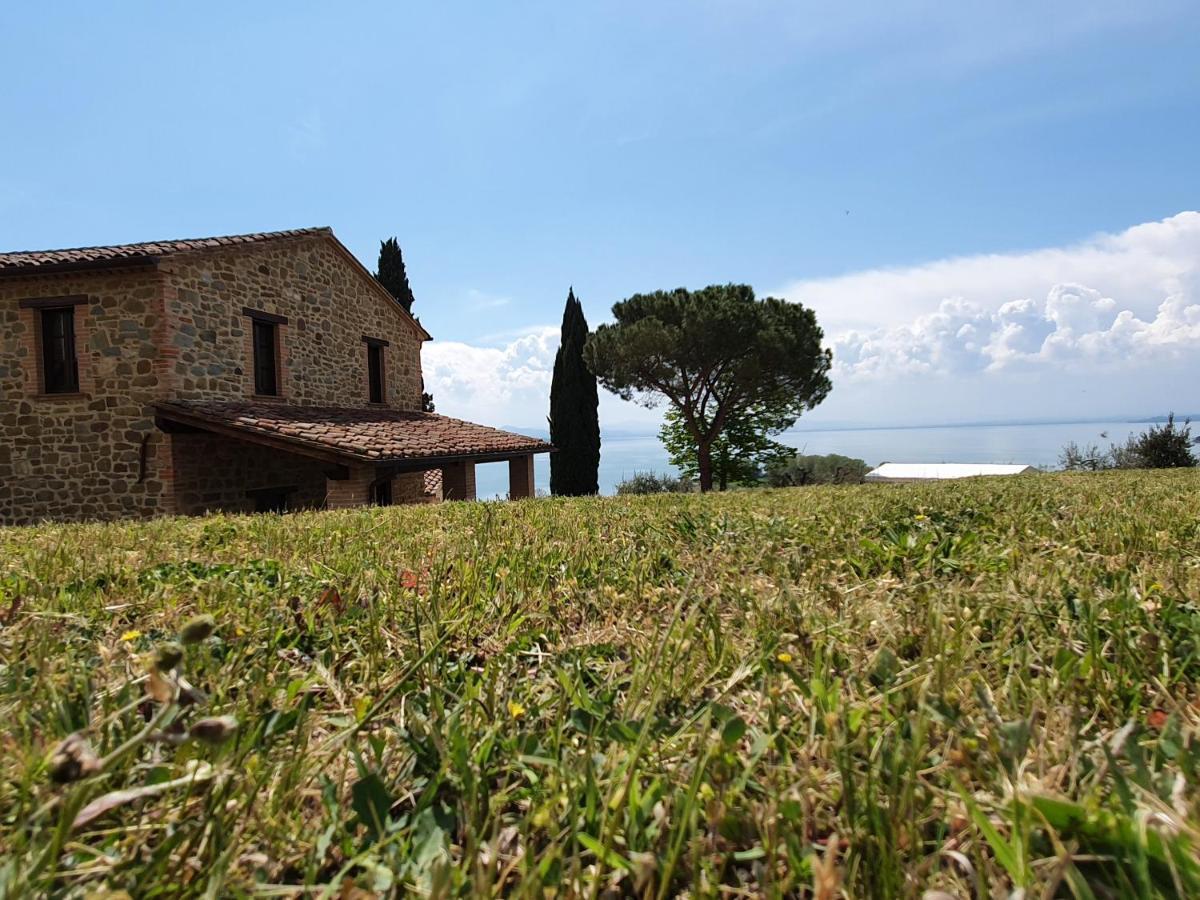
(858, 691)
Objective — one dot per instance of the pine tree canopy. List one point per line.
(717, 355)
(574, 416)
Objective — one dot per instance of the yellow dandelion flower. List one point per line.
(784, 657)
(921, 517)
(516, 710)
(132, 635)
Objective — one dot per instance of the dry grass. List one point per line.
(858, 691)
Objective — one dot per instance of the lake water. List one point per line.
(1035, 445)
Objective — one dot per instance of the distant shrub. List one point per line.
(654, 483)
(1166, 446)
(1084, 457)
(832, 468)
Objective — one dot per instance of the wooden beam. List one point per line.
(264, 316)
(166, 426)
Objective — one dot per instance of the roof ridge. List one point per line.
(243, 238)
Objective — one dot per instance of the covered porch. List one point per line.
(246, 457)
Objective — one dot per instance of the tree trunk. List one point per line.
(704, 459)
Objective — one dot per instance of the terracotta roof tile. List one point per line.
(149, 250)
(366, 435)
(433, 482)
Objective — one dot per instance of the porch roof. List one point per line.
(374, 436)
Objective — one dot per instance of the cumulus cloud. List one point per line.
(509, 383)
(497, 385)
(1074, 327)
(1113, 302)
(1137, 267)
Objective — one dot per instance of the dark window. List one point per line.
(381, 493)
(265, 370)
(60, 369)
(271, 500)
(375, 371)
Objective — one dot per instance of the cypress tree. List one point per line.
(390, 273)
(574, 417)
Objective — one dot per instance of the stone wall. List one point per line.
(329, 306)
(407, 487)
(94, 454)
(212, 473)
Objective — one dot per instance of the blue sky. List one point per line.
(878, 161)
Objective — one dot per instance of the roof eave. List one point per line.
(333, 455)
(79, 266)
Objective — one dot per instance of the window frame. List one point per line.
(376, 348)
(43, 309)
(60, 350)
(265, 340)
(271, 323)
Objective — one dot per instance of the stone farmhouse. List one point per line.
(258, 372)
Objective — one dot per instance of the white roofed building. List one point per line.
(898, 472)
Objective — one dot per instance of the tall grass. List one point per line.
(972, 688)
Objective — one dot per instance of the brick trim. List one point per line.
(53, 302)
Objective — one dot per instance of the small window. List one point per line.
(60, 368)
(381, 492)
(266, 371)
(375, 372)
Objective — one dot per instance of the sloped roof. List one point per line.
(146, 250)
(941, 471)
(375, 436)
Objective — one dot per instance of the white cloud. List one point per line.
(1054, 308)
(478, 300)
(494, 385)
(1137, 268)
(509, 384)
